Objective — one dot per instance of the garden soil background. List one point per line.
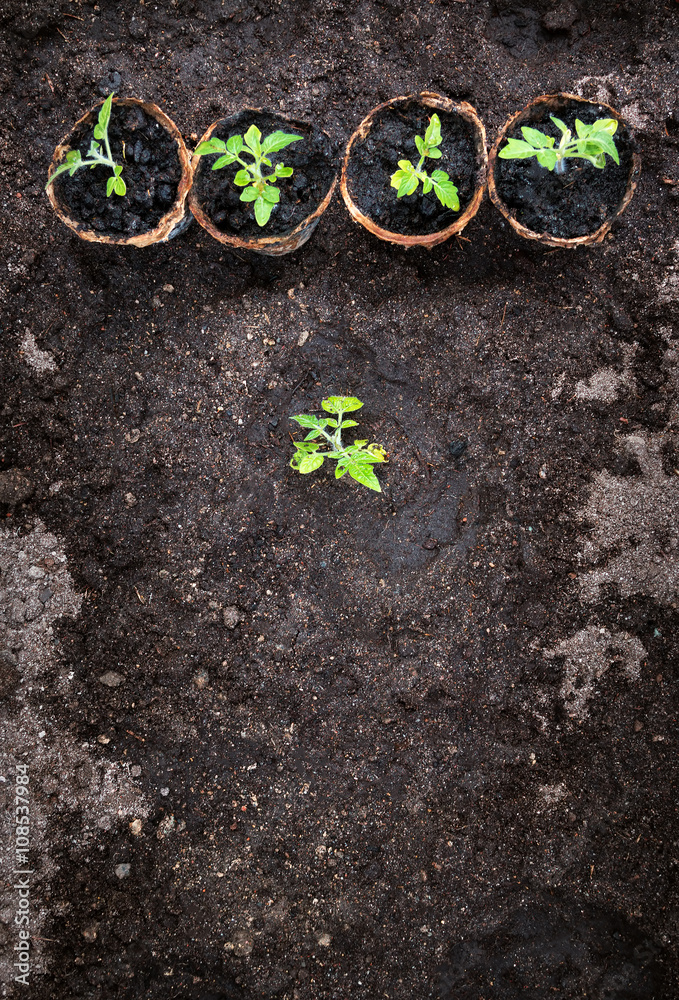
(287, 737)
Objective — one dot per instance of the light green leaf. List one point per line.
(242, 178)
(109, 186)
(99, 132)
(434, 154)
(559, 124)
(104, 117)
(516, 149)
(271, 194)
(547, 158)
(249, 194)
(408, 186)
(432, 136)
(234, 144)
(609, 125)
(364, 475)
(345, 423)
(340, 471)
(262, 211)
(252, 137)
(282, 171)
(306, 420)
(310, 463)
(446, 192)
(341, 404)
(94, 150)
(120, 187)
(427, 185)
(421, 148)
(223, 161)
(534, 138)
(211, 146)
(582, 130)
(278, 140)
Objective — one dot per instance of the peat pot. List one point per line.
(386, 136)
(156, 171)
(215, 201)
(570, 209)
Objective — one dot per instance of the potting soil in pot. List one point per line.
(391, 138)
(314, 167)
(151, 171)
(576, 202)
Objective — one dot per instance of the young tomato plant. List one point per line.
(408, 177)
(95, 156)
(592, 143)
(257, 186)
(357, 459)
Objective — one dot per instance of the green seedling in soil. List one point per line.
(592, 143)
(96, 157)
(407, 179)
(357, 459)
(257, 186)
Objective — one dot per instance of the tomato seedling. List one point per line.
(95, 156)
(258, 187)
(592, 143)
(408, 177)
(357, 459)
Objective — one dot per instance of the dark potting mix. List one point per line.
(576, 202)
(314, 166)
(152, 172)
(391, 138)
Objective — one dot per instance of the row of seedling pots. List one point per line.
(414, 173)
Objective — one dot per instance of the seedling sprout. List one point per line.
(592, 143)
(257, 187)
(408, 177)
(357, 459)
(95, 156)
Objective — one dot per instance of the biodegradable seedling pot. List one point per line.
(387, 135)
(156, 171)
(577, 207)
(215, 202)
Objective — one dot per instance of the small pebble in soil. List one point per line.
(135, 827)
(123, 871)
(638, 726)
(201, 679)
(90, 933)
(457, 448)
(111, 679)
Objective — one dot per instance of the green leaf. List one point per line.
(282, 171)
(252, 137)
(271, 194)
(427, 185)
(559, 124)
(249, 194)
(104, 117)
(536, 139)
(94, 150)
(446, 192)
(340, 471)
(582, 130)
(310, 463)
(119, 187)
(242, 178)
(234, 144)
(341, 404)
(306, 420)
(109, 186)
(59, 170)
(434, 154)
(278, 140)
(262, 211)
(547, 158)
(421, 148)
(345, 423)
(432, 136)
(223, 161)
(516, 149)
(364, 475)
(211, 146)
(117, 170)
(607, 145)
(609, 125)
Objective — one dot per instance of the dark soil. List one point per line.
(576, 202)
(151, 171)
(392, 138)
(313, 161)
(344, 714)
